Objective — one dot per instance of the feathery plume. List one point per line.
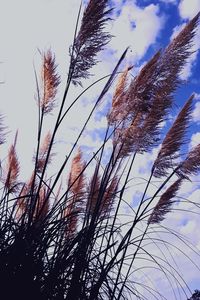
(50, 82)
(144, 131)
(178, 51)
(155, 84)
(76, 182)
(109, 197)
(191, 164)
(143, 88)
(21, 203)
(42, 206)
(94, 187)
(12, 168)
(104, 199)
(164, 205)
(29, 184)
(43, 153)
(72, 213)
(159, 77)
(149, 135)
(144, 107)
(126, 138)
(90, 40)
(173, 141)
(118, 97)
(121, 86)
(71, 216)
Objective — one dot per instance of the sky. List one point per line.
(145, 26)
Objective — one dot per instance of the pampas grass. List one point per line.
(68, 239)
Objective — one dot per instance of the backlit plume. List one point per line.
(164, 205)
(50, 82)
(43, 153)
(76, 185)
(12, 168)
(90, 40)
(119, 97)
(173, 141)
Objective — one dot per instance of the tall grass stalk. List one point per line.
(71, 241)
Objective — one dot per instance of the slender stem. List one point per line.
(69, 78)
(159, 189)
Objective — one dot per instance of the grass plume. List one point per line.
(92, 236)
(90, 39)
(50, 82)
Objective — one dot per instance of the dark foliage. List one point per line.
(69, 241)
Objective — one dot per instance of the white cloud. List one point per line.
(37, 25)
(198, 246)
(41, 24)
(187, 188)
(196, 112)
(185, 222)
(188, 228)
(136, 27)
(196, 96)
(188, 8)
(176, 30)
(195, 140)
(43, 28)
(169, 1)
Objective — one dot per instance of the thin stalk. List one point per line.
(119, 203)
(69, 78)
(105, 89)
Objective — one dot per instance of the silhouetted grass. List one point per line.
(71, 242)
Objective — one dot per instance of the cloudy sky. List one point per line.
(143, 25)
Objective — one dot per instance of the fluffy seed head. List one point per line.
(12, 170)
(90, 40)
(43, 153)
(174, 139)
(50, 82)
(164, 205)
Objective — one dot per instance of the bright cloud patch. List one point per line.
(196, 112)
(141, 25)
(189, 227)
(195, 140)
(189, 8)
(169, 1)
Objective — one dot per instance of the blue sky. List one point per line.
(145, 26)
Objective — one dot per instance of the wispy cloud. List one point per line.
(195, 140)
(141, 25)
(196, 112)
(133, 26)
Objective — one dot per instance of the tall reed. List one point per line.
(70, 240)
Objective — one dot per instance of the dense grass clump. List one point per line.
(70, 241)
